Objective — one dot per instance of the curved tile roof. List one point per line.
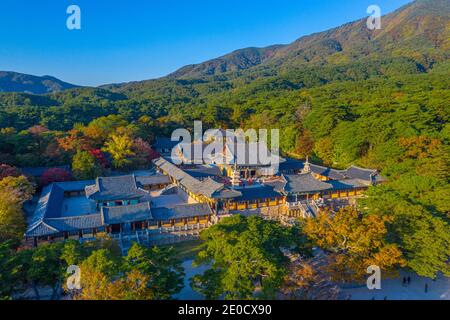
(124, 214)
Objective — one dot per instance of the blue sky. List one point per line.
(143, 39)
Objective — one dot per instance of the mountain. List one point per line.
(19, 82)
(235, 61)
(419, 30)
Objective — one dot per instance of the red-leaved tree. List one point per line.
(8, 171)
(100, 157)
(55, 175)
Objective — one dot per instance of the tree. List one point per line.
(143, 154)
(324, 149)
(19, 189)
(8, 171)
(120, 146)
(13, 193)
(85, 167)
(100, 158)
(307, 279)
(75, 141)
(12, 220)
(418, 227)
(98, 272)
(8, 267)
(161, 267)
(45, 268)
(354, 242)
(55, 175)
(134, 286)
(101, 128)
(304, 144)
(245, 258)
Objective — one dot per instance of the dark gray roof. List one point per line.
(76, 223)
(48, 227)
(164, 143)
(41, 229)
(202, 171)
(182, 211)
(248, 154)
(255, 193)
(124, 214)
(304, 183)
(75, 185)
(360, 173)
(153, 180)
(208, 187)
(38, 171)
(49, 204)
(291, 164)
(348, 184)
(115, 188)
(192, 153)
(327, 172)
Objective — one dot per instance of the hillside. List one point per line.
(19, 82)
(420, 30)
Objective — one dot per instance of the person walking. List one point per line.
(426, 287)
(404, 281)
(409, 281)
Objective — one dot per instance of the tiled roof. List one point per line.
(291, 164)
(208, 188)
(38, 171)
(49, 204)
(164, 143)
(360, 173)
(304, 183)
(192, 153)
(69, 186)
(247, 154)
(348, 184)
(328, 172)
(40, 229)
(153, 180)
(124, 214)
(115, 188)
(204, 171)
(182, 211)
(76, 223)
(255, 193)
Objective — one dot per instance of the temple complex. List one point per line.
(176, 201)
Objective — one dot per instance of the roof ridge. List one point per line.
(364, 169)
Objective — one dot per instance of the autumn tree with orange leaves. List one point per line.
(353, 242)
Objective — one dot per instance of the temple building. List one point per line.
(179, 200)
(115, 206)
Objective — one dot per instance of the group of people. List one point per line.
(407, 282)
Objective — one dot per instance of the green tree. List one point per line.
(120, 146)
(85, 167)
(45, 268)
(245, 258)
(162, 268)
